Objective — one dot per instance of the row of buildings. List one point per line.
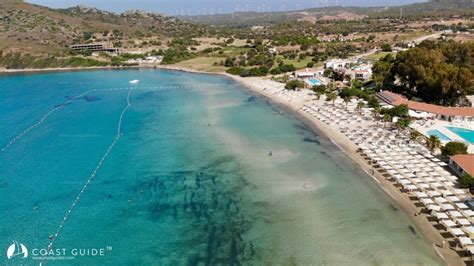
(96, 47)
(350, 69)
(425, 110)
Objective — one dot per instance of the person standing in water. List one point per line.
(270, 153)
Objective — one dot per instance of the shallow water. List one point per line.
(189, 181)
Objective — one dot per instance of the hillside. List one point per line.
(437, 8)
(29, 28)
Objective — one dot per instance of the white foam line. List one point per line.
(93, 174)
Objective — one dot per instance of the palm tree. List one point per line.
(331, 97)
(376, 113)
(319, 90)
(331, 86)
(433, 143)
(319, 93)
(386, 118)
(346, 100)
(360, 105)
(414, 135)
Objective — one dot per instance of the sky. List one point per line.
(199, 7)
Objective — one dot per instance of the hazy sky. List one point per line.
(194, 7)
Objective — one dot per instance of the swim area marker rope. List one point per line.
(93, 174)
(64, 104)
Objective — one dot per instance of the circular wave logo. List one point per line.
(17, 250)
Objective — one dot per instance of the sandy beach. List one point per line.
(402, 200)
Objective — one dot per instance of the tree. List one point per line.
(440, 73)
(433, 143)
(382, 72)
(229, 62)
(294, 84)
(453, 148)
(372, 102)
(466, 181)
(400, 110)
(319, 88)
(328, 72)
(346, 100)
(331, 97)
(360, 105)
(385, 47)
(376, 113)
(414, 135)
(402, 123)
(386, 118)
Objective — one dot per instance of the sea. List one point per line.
(181, 169)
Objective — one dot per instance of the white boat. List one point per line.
(135, 81)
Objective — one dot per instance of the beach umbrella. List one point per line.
(468, 229)
(434, 207)
(436, 185)
(448, 223)
(459, 191)
(470, 249)
(423, 185)
(447, 207)
(404, 182)
(463, 222)
(441, 215)
(421, 195)
(457, 232)
(447, 193)
(433, 193)
(455, 214)
(453, 198)
(426, 202)
(440, 200)
(464, 241)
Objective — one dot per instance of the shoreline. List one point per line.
(430, 234)
(4, 71)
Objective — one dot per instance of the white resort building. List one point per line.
(426, 110)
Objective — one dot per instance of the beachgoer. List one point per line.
(270, 153)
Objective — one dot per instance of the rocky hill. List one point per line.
(34, 29)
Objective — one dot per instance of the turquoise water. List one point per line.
(315, 81)
(439, 134)
(466, 134)
(189, 181)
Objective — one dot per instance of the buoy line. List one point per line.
(52, 111)
(91, 177)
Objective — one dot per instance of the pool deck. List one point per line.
(441, 127)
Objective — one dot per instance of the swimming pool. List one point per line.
(438, 133)
(315, 82)
(466, 134)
